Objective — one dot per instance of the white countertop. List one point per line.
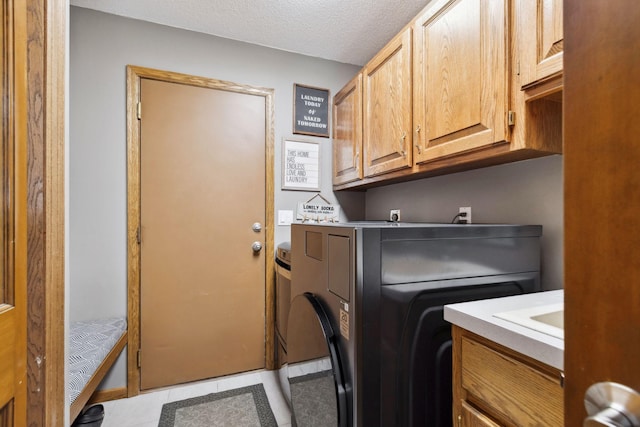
(477, 317)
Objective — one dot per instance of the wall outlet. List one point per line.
(394, 215)
(466, 218)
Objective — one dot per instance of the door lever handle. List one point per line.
(612, 405)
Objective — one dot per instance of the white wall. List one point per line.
(527, 192)
(101, 47)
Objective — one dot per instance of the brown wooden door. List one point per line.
(602, 197)
(386, 81)
(461, 77)
(13, 180)
(202, 187)
(347, 132)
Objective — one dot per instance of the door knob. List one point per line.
(256, 227)
(256, 246)
(612, 405)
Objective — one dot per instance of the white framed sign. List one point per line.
(300, 165)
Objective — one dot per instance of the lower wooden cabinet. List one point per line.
(471, 417)
(496, 386)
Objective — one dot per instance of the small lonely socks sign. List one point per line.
(318, 209)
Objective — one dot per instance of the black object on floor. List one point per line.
(90, 417)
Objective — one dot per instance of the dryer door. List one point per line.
(316, 382)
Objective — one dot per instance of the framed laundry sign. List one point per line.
(310, 110)
(300, 165)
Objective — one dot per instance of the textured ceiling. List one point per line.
(349, 31)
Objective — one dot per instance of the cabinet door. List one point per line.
(509, 385)
(541, 39)
(470, 417)
(347, 133)
(461, 78)
(387, 108)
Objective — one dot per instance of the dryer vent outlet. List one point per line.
(394, 215)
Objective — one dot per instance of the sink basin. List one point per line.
(547, 319)
(555, 319)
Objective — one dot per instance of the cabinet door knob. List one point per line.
(417, 145)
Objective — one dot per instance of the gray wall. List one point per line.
(101, 45)
(527, 192)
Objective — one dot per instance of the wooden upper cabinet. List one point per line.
(541, 37)
(347, 132)
(461, 78)
(387, 108)
(467, 84)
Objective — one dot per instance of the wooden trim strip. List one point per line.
(133, 221)
(45, 112)
(270, 297)
(101, 396)
(54, 173)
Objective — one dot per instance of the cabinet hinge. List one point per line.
(139, 110)
(138, 235)
(511, 118)
(139, 357)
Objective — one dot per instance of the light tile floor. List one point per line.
(144, 410)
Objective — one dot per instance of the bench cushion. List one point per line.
(89, 343)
